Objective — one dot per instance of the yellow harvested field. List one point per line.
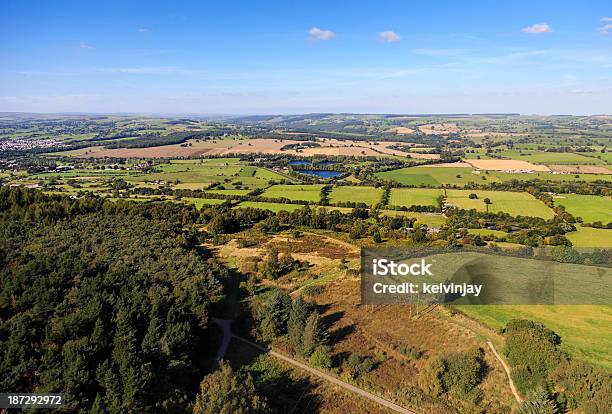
(448, 165)
(226, 147)
(401, 130)
(258, 145)
(441, 129)
(494, 134)
(580, 169)
(506, 165)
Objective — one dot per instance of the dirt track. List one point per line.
(329, 378)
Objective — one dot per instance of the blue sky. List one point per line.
(236, 57)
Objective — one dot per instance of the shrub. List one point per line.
(538, 403)
(532, 352)
(321, 357)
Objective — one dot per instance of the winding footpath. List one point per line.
(512, 387)
(225, 324)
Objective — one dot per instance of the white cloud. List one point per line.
(606, 29)
(143, 30)
(537, 28)
(316, 34)
(87, 46)
(389, 36)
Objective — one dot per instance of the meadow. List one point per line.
(591, 208)
(585, 329)
(368, 195)
(406, 197)
(488, 232)
(201, 202)
(304, 192)
(590, 237)
(513, 203)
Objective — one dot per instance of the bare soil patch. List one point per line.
(580, 169)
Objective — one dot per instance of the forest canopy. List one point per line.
(106, 303)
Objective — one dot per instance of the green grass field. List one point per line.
(430, 176)
(436, 176)
(591, 208)
(229, 192)
(430, 219)
(406, 197)
(513, 203)
(357, 194)
(275, 207)
(306, 192)
(590, 237)
(487, 232)
(585, 330)
(200, 202)
(543, 157)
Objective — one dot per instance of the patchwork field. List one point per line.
(406, 197)
(513, 203)
(197, 175)
(357, 194)
(240, 145)
(450, 175)
(591, 208)
(544, 157)
(430, 176)
(306, 192)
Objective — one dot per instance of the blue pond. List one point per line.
(321, 173)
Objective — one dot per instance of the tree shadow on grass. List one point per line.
(285, 387)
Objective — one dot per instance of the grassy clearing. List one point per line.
(513, 203)
(357, 194)
(590, 237)
(308, 192)
(487, 232)
(585, 329)
(200, 202)
(591, 208)
(406, 197)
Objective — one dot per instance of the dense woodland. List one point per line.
(107, 303)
